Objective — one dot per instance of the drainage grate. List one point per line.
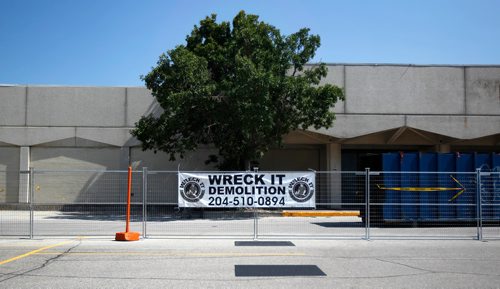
(263, 243)
(277, 270)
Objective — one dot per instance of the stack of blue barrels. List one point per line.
(414, 185)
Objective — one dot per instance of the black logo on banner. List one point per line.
(192, 190)
(301, 190)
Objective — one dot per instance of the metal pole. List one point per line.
(255, 225)
(31, 182)
(144, 200)
(255, 219)
(479, 213)
(129, 185)
(367, 203)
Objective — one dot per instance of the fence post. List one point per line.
(255, 217)
(479, 212)
(367, 203)
(144, 200)
(255, 225)
(31, 190)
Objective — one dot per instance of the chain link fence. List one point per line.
(360, 205)
(424, 205)
(15, 211)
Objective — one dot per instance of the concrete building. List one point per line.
(387, 108)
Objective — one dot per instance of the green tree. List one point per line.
(239, 87)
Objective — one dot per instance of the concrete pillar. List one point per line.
(334, 156)
(443, 148)
(24, 166)
(125, 158)
(333, 164)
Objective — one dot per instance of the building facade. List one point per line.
(387, 108)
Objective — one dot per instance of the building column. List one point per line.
(334, 179)
(125, 161)
(443, 148)
(24, 181)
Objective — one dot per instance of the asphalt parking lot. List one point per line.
(220, 263)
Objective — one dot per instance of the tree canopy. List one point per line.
(239, 87)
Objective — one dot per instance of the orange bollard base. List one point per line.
(127, 236)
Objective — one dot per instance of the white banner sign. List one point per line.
(247, 189)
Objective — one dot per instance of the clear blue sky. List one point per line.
(112, 43)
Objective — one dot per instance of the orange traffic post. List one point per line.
(127, 235)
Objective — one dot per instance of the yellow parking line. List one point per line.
(34, 252)
(224, 254)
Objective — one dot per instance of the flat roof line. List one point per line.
(409, 64)
(307, 64)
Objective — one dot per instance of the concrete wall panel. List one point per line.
(305, 137)
(29, 136)
(483, 90)
(461, 127)
(139, 102)
(405, 90)
(76, 106)
(194, 161)
(349, 126)
(112, 136)
(86, 186)
(9, 174)
(336, 77)
(291, 159)
(12, 105)
(76, 158)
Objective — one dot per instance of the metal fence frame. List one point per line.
(145, 218)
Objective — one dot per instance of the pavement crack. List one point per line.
(405, 265)
(43, 265)
(428, 271)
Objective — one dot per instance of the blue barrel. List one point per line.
(466, 201)
(428, 199)
(446, 165)
(409, 199)
(495, 164)
(391, 208)
(482, 161)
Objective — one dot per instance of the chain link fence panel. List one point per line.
(364, 204)
(340, 207)
(14, 206)
(490, 205)
(424, 205)
(84, 203)
(166, 219)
